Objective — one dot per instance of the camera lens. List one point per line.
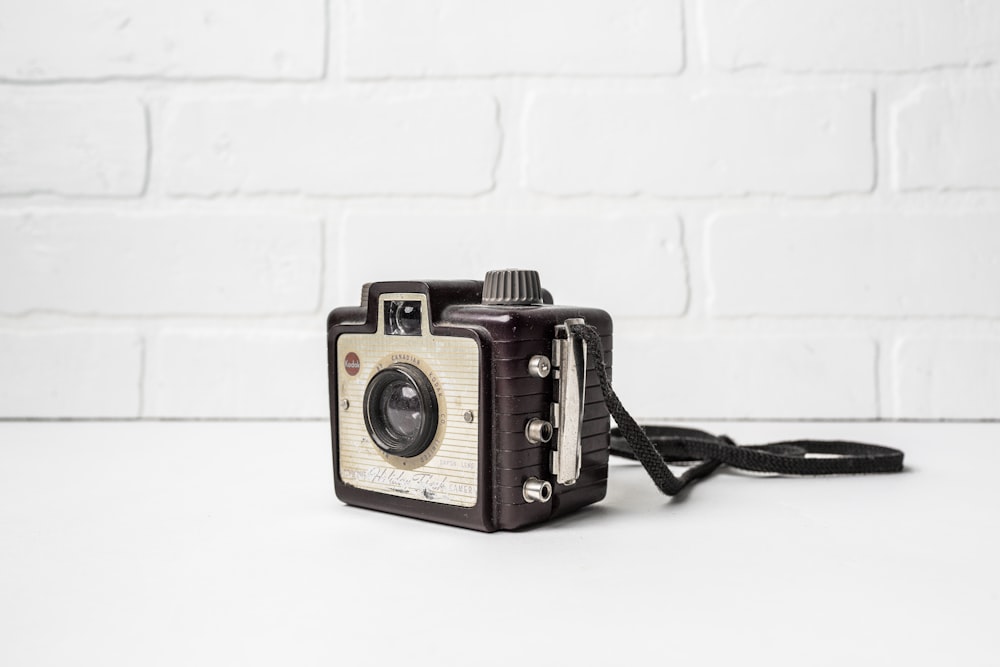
(400, 405)
(401, 412)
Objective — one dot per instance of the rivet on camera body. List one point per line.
(454, 414)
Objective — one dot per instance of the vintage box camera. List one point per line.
(465, 402)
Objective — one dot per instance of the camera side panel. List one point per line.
(518, 396)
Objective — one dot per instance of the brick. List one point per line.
(256, 373)
(718, 143)
(947, 138)
(156, 263)
(947, 378)
(850, 35)
(61, 39)
(72, 145)
(745, 377)
(385, 38)
(570, 253)
(872, 264)
(81, 373)
(332, 145)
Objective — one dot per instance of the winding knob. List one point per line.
(512, 287)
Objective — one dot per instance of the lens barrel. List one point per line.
(401, 410)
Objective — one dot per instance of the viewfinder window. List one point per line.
(402, 318)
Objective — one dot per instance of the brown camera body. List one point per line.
(481, 415)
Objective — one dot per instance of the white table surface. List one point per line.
(222, 544)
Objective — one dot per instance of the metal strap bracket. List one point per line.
(570, 362)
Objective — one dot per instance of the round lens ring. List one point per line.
(401, 411)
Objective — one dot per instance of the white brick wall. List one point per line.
(947, 138)
(850, 35)
(442, 38)
(241, 374)
(935, 375)
(331, 145)
(89, 372)
(54, 143)
(792, 209)
(469, 245)
(878, 264)
(254, 39)
(108, 263)
(693, 145)
(747, 376)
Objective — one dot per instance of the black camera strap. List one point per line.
(656, 446)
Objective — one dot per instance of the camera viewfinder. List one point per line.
(402, 318)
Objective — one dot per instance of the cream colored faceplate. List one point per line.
(447, 472)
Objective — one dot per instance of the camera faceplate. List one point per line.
(446, 472)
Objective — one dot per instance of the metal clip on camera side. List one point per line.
(570, 352)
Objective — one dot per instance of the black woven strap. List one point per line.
(655, 446)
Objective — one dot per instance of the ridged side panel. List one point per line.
(518, 398)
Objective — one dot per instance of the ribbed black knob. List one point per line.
(512, 287)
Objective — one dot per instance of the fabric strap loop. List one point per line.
(656, 446)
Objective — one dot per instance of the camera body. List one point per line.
(466, 402)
